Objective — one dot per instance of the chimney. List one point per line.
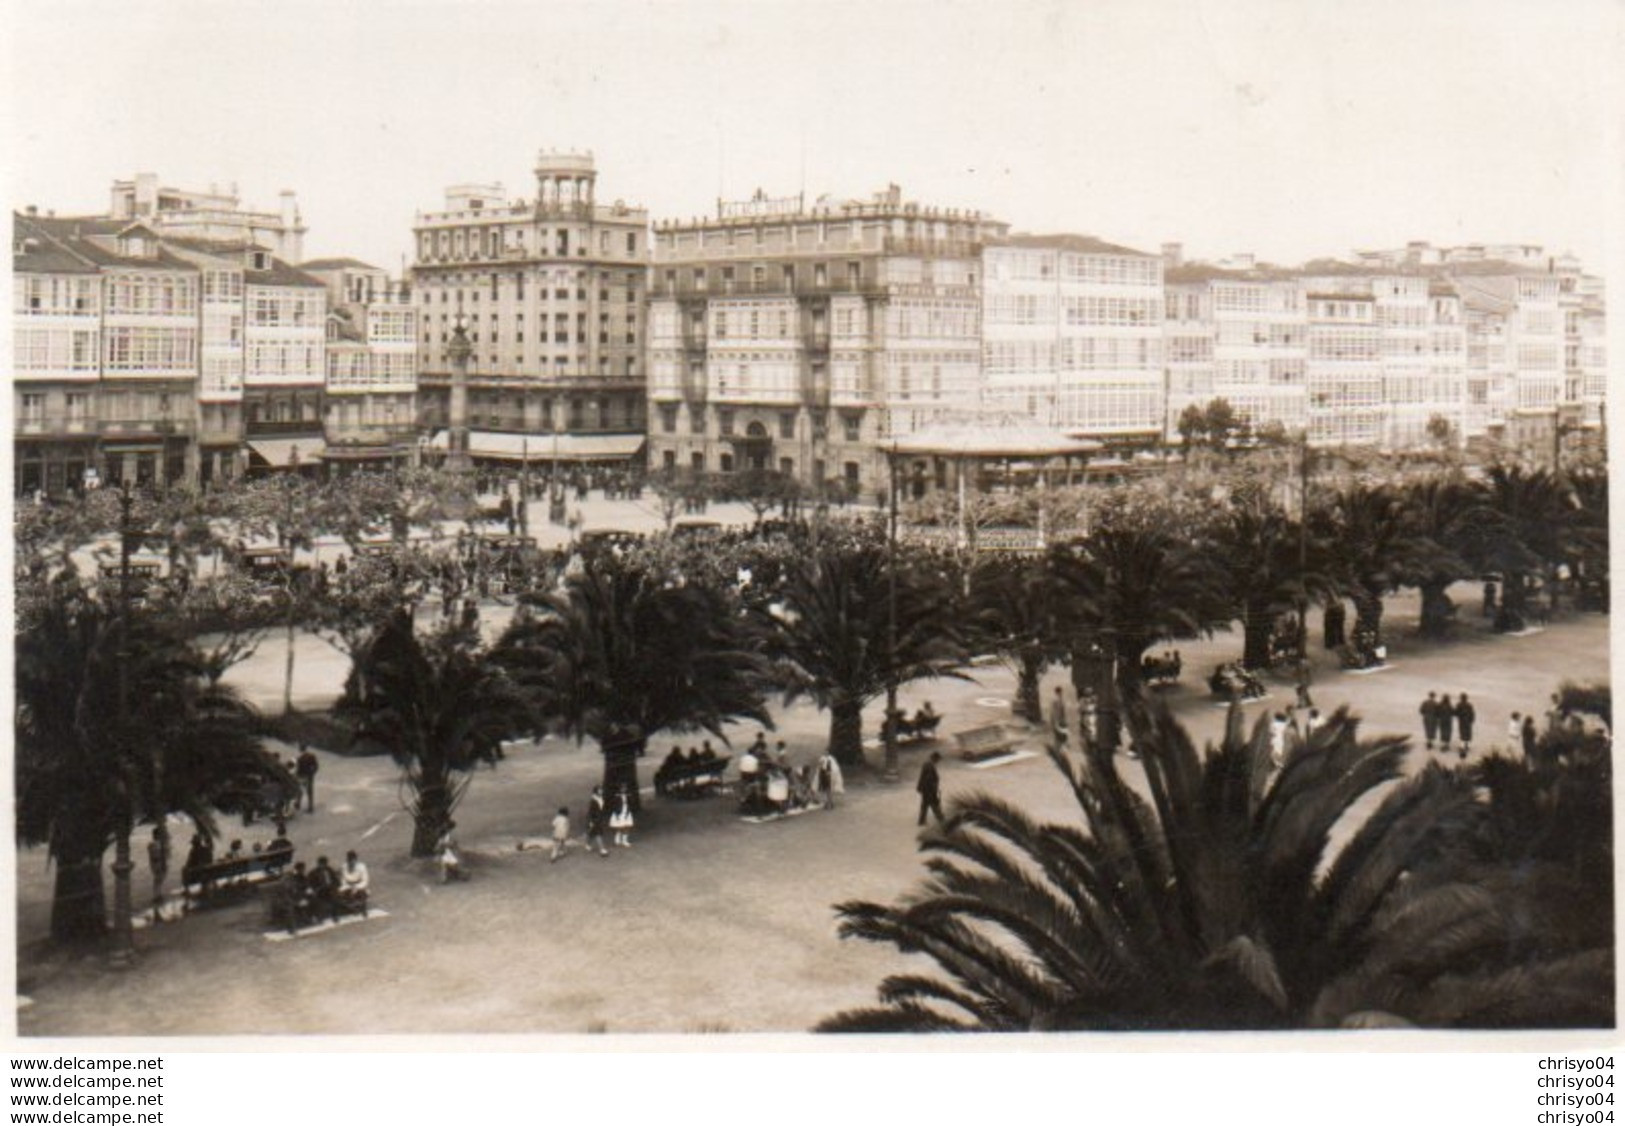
(1173, 254)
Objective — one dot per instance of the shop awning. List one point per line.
(279, 453)
(546, 447)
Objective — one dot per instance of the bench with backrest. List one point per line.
(989, 741)
(916, 728)
(691, 779)
(231, 871)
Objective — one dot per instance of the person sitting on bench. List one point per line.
(293, 897)
(926, 717)
(324, 890)
(353, 883)
(278, 851)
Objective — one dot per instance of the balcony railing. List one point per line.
(284, 427)
(766, 287)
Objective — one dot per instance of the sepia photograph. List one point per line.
(812, 520)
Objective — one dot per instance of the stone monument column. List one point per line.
(459, 350)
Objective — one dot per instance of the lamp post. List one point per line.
(122, 954)
(888, 729)
(1303, 551)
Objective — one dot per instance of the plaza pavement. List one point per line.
(708, 924)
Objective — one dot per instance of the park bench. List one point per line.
(285, 909)
(913, 729)
(1160, 670)
(691, 779)
(1232, 682)
(989, 741)
(229, 872)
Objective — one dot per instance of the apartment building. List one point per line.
(370, 413)
(551, 293)
(1237, 335)
(803, 337)
(1072, 335)
(149, 358)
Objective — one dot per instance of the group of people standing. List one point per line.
(602, 814)
(1445, 721)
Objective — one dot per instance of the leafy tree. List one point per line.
(1192, 427)
(628, 649)
(763, 490)
(438, 706)
(1217, 900)
(114, 727)
(833, 626)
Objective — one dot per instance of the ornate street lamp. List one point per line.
(122, 954)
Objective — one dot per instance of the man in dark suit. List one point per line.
(930, 788)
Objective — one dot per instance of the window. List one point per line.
(631, 242)
(852, 426)
(725, 422)
(668, 418)
(787, 424)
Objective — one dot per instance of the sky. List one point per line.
(1289, 128)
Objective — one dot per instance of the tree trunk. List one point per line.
(1437, 609)
(1509, 616)
(1257, 624)
(621, 769)
(79, 902)
(1028, 705)
(429, 819)
(1130, 654)
(287, 674)
(846, 732)
(1367, 617)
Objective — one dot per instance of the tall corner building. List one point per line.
(802, 338)
(551, 293)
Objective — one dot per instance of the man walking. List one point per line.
(1057, 720)
(1466, 715)
(830, 782)
(597, 817)
(305, 766)
(1430, 718)
(930, 788)
(158, 862)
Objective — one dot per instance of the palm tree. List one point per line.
(113, 730)
(1375, 544)
(626, 650)
(1441, 515)
(833, 622)
(1532, 518)
(1023, 609)
(1257, 549)
(1150, 584)
(439, 706)
(1212, 895)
